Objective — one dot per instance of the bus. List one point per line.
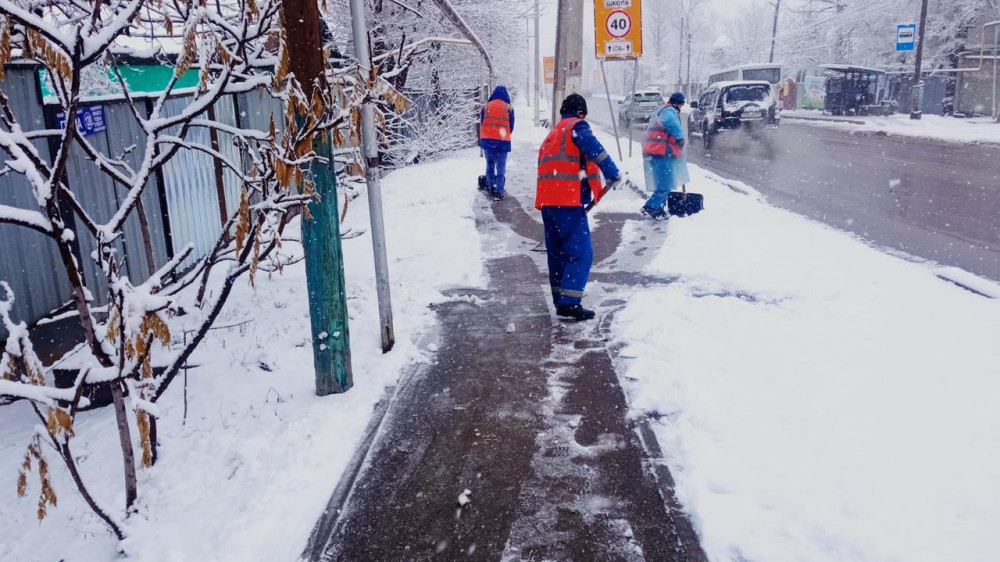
(770, 73)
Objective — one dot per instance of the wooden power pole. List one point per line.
(774, 29)
(915, 111)
(324, 256)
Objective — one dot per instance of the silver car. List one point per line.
(639, 106)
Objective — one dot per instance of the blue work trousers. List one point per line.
(659, 172)
(496, 169)
(570, 253)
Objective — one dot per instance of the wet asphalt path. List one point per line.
(931, 199)
(526, 413)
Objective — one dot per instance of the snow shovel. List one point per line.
(683, 204)
(631, 187)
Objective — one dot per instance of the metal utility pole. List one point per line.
(324, 256)
(369, 142)
(680, 55)
(996, 62)
(774, 29)
(915, 96)
(687, 83)
(527, 49)
(569, 53)
(538, 74)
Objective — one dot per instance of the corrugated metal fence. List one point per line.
(185, 204)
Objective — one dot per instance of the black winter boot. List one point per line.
(576, 312)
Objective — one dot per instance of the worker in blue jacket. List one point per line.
(661, 149)
(570, 163)
(496, 120)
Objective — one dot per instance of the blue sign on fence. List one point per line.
(89, 120)
(906, 36)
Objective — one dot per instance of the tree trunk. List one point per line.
(125, 437)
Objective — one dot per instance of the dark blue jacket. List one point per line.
(593, 151)
(499, 93)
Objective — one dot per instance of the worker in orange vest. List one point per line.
(496, 124)
(570, 164)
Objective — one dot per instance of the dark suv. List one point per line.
(748, 106)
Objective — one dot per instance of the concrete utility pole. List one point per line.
(915, 112)
(774, 29)
(538, 74)
(369, 142)
(321, 236)
(569, 53)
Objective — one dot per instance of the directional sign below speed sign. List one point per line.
(618, 29)
(618, 24)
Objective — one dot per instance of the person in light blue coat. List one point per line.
(663, 155)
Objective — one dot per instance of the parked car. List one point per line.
(639, 106)
(746, 105)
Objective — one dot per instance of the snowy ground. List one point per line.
(817, 400)
(951, 129)
(248, 474)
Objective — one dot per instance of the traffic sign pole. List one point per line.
(611, 111)
(635, 76)
(618, 36)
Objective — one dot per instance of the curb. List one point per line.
(825, 119)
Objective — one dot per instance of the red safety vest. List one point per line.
(658, 140)
(496, 121)
(561, 168)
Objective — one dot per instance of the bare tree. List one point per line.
(236, 47)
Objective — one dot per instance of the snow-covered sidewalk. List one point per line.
(816, 399)
(977, 130)
(250, 471)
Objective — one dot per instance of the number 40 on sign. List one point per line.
(617, 28)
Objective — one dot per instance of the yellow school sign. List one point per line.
(618, 29)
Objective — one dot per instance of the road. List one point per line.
(930, 199)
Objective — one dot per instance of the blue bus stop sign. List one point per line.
(906, 36)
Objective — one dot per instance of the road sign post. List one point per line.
(618, 36)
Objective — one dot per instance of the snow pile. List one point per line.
(816, 399)
(951, 129)
(248, 474)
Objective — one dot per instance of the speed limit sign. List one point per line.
(618, 29)
(618, 24)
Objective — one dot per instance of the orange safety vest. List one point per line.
(496, 121)
(658, 140)
(561, 168)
